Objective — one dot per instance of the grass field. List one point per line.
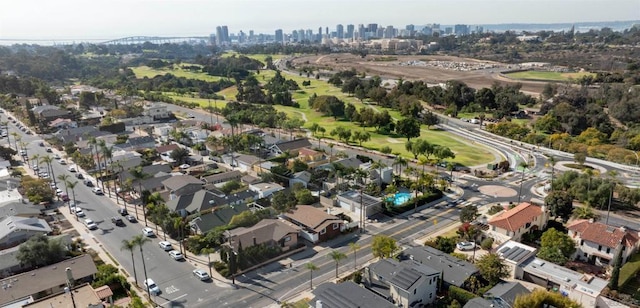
(259, 57)
(550, 76)
(145, 71)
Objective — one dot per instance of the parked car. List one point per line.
(176, 255)
(88, 183)
(72, 169)
(79, 176)
(130, 218)
(64, 197)
(201, 274)
(123, 211)
(62, 162)
(148, 232)
(97, 191)
(117, 221)
(79, 212)
(466, 246)
(56, 156)
(49, 150)
(90, 224)
(151, 285)
(166, 246)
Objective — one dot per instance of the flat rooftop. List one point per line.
(515, 252)
(584, 283)
(354, 197)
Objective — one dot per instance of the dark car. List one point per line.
(117, 221)
(79, 176)
(88, 183)
(123, 211)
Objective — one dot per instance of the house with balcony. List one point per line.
(310, 157)
(513, 223)
(407, 283)
(453, 271)
(317, 225)
(599, 244)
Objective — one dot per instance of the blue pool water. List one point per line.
(400, 198)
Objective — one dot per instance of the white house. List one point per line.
(409, 282)
(353, 201)
(513, 223)
(599, 244)
(265, 190)
(156, 111)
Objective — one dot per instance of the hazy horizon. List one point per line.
(109, 19)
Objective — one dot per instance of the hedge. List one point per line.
(461, 295)
(410, 205)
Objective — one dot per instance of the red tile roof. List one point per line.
(515, 218)
(103, 292)
(601, 234)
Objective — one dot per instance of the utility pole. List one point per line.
(210, 115)
(70, 283)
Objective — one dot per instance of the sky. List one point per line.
(107, 19)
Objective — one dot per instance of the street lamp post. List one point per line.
(70, 283)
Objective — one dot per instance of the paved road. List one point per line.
(179, 287)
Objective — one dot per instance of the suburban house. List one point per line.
(346, 295)
(453, 271)
(265, 190)
(17, 207)
(302, 177)
(270, 232)
(241, 161)
(15, 230)
(151, 171)
(310, 157)
(61, 123)
(407, 283)
(234, 175)
(512, 224)
(9, 263)
(79, 133)
(502, 295)
(152, 184)
(165, 151)
(599, 244)
(156, 110)
(84, 296)
(353, 201)
(317, 225)
(137, 143)
(203, 200)
(127, 159)
(583, 288)
(30, 286)
(514, 254)
(219, 216)
(182, 185)
(291, 146)
(162, 131)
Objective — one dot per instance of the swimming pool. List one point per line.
(400, 198)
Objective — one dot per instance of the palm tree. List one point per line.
(423, 161)
(208, 251)
(139, 175)
(524, 165)
(331, 145)
(102, 144)
(551, 161)
(337, 256)
(379, 164)
(584, 212)
(354, 247)
(47, 160)
(118, 184)
(400, 162)
(63, 179)
(311, 267)
(35, 158)
(15, 139)
(72, 186)
(130, 246)
(23, 146)
(107, 154)
(95, 155)
(139, 241)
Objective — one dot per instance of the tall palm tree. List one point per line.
(139, 175)
(208, 251)
(63, 179)
(35, 158)
(551, 161)
(15, 139)
(101, 144)
(400, 162)
(337, 256)
(107, 154)
(354, 247)
(72, 186)
(524, 165)
(423, 161)
(311, 267)
(139, 241)
(130, 246)
(23, 146)
(331, 145)
(379, 164)
(47, 160)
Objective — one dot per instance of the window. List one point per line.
(323, 231)
(581, 242)
(599, 247)
(414, 291)
(288, 238)
(608, 250)
(336, 226)
(527, 225)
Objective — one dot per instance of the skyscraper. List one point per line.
(373, 28)
(279, 36)
(219, 36)
(225, 33)
(350, 30)
(389, 32)
(340, 31)
(362, 32)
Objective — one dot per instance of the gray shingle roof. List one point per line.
(264, 231)
(222, 216)
(203, 200)
(177, 182)
(507, 292)
(11, 224)
(401, 274)
(454, 271)
(293, 144)
(347, 295)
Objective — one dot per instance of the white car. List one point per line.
(176, 255)
(148, 232)
(466, 246)
(58, 191)
(90, 224)
(166, 246)
(151, 285)
(56, 156)
(97, 191)
(79, 212)
(62, 162)
(72, 169)
(201, 274)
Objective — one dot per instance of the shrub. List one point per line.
(460, 256)
(461, 295)
(495, 210)
(487, 243)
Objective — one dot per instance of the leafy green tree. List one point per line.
(408, 128)
(556, 246)
(337, 256)
(560, 203)
(615, 273)
(584, 212)
(444, 244)
(384, 246)
(304, 196)
(468, 214)
(230, 186)
(179, 155)
(580, 158)
(37, 190)
(40, 251)
(283, 201)
(299, 165)
(492, 268)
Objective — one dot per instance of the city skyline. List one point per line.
(103, 19)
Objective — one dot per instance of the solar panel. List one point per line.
(520, 255)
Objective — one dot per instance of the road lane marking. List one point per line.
(171, 289)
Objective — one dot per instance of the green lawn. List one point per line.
(629, 269)
(551, 76)
(203, 102)
(259, 57)
(145, 71)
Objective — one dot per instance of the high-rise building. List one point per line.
(319, 33)
(362, 32)
(339, 31)
(219, 36)
(279, 36)
(326, 31)
(294, 35)
(225, 32)
(373, 28)
(350, 30)
(309, 35)
(301, 36)
(461, 29)
(389, 32)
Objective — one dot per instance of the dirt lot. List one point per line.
(428, 68)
